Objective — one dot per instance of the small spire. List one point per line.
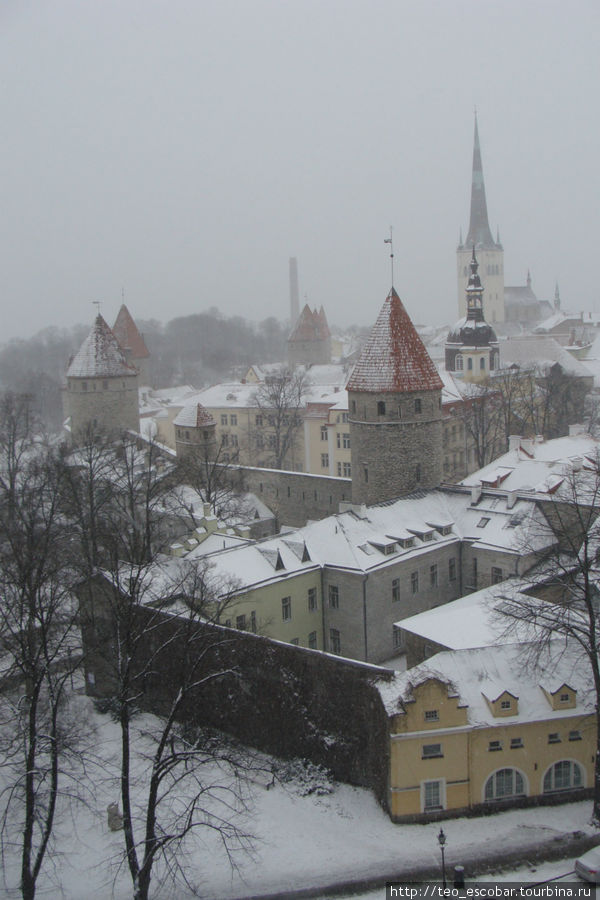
(528, 278)
(474, 291)
(556, 297)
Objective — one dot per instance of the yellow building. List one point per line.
(473, 728)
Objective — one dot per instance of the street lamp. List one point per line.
(442, 843)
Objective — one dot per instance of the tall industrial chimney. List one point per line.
(294, 293)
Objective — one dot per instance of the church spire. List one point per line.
(479, 228)
(474, 292)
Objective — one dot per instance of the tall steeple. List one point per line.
(479, 227)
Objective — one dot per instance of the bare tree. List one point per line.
(482, 419)
(563, 601)
(281, 399)
(210, 470)
(38, 639)
(145, 621)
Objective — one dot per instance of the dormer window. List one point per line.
(483, 521)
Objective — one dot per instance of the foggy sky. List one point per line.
(183, 150)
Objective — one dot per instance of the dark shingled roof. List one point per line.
(394, 357)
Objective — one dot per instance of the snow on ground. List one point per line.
(301, 839)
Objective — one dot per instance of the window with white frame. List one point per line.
(503, 784)
(431, 751)
(286, 608)
(432, 795)
(335, 644)
(563, 776)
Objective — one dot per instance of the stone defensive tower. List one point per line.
(132, 344)
(310, 342)
(489, 251)
(195, 433)
(102, 388)
(395, 404)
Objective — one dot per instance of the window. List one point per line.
(432, 792)
(233, 419)
(452, 569)
(503, 784)
(505, 704)
(493, 746)
(574, 735)
(253, 621)
(234, 440)
(459, 362)
(334, 641)
(432, 751)
(240, 623)
(259, 442)
(432, 715)
(414, 582)
(562, 776)
(334, 596)
(339, 470)
(474, 572)
(417, 406)
(483, 521)
(339, 440)
(347, 470)
(433, 576)
(223, 419)
(395, 590)
(482, 362)
(418, 472)
(346, 441)
(323, 432)
(312, 599)
(324, 460)
(564, 698)
(105, 385)
(259, 420)
(286, 609)
(366, 473)
(312, 640)
(295, 641)
(344, 417)
(380, 408)
(397, 637)
(554, 737)
(470, 363)
(84, 385)
(496, 575)
(515, 743)
(225, 440)
(353, 407)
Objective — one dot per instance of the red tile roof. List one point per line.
(394, 357)
(128, 336)
(194, 416)
(311, 326)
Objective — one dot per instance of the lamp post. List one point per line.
(442, 842)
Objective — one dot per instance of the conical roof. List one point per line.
(194, 416)
(128, 336)
(479, 227)
(100, 355)
(311, 326)
(394, 357)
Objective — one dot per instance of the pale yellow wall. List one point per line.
(466, 761)
(266, 599)
(335, 421)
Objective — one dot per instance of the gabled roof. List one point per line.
(193, 416)
(394, 357)
(100, 355)
(311, 326)
(128, 336)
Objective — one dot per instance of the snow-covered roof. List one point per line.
(537, 466)
(394, 357)
(474, 674)
(540, 353)
(100, 356)
(193, 415)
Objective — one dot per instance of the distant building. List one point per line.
(310, 341)
(132, 344)
(101, 391)
(472, 345)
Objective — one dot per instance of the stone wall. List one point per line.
(284, 700)
(396, 451)
(104, 404)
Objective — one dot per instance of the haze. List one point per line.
(180, 152)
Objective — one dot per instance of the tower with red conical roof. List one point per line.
(101, 394)
(490, 252)
(395, 410)
(310, 341)
(132, 344)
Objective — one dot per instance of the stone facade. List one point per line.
(295, 497)
(102, 404)
(396, 443)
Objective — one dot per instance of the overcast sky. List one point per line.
(181, 151)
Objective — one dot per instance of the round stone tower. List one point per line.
(101, 392)
(195, 433)
(395, 410)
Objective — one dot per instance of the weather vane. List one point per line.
(391, 243)
(96, 303)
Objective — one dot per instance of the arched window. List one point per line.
(482, 362)
(459, 362)
(504, 784)
(469, 363)
(563, 776)
(380, 408)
